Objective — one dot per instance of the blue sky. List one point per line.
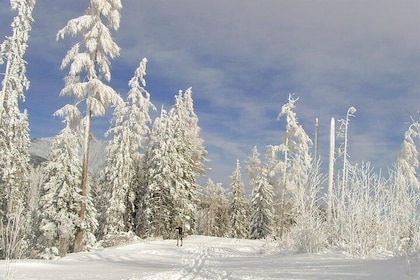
(242, 58)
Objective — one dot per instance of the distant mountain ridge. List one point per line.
(40, 149)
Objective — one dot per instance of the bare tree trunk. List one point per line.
(331, 172)
(78, 246)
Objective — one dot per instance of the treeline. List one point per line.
(354, 207)
(365, 212)
(148, 184)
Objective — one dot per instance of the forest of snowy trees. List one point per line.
(148, 185)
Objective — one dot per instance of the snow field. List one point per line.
(204, 257)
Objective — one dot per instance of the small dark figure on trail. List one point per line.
(179, 236)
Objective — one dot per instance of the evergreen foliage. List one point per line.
(190, 156)
(239, 206)
(61, 195)
(173, 160)
(261, 207)
(149, 185)
(161, 177)
(14, 132)
(129, 130)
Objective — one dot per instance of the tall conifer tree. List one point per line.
(190, 156)
(261, 207)
(14, 128)
(174, 159)
(239, 206)
(158, 203)
(129, 130)
(60, 194)
(89, 65)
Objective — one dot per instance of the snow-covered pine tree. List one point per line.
(261, 207)
(161, 165)
(60, 200)
(274, 168)
(174, 158)
(239, 205)
(89, 64)
(190, 157)
(142, 222)
(129, 130)
(14, 129)
(297, 162)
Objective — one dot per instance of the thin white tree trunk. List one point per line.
(331, 171)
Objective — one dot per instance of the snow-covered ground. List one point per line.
(208, 258)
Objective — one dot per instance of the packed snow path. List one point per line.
(206, 258)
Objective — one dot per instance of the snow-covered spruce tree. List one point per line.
(33, 198)
(190, 157)
(213, 214)
(262, 207)
(297, 164)
(239, 205)
(129, 130)
(89, 64)
(158, 203)
(274, 168)
(60, 200)
(14, 130)
(261, 224)
(142, 224)
(174, 159)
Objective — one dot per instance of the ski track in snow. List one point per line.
(206, 258)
